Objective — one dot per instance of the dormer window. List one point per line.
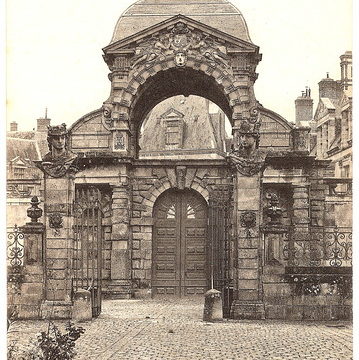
(173, 121)
(173, 133)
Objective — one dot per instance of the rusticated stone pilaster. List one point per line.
(59, 195)
(248, 298)
(301, 216)
(121, 236)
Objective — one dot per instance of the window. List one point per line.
(19, 173)
(172, 136)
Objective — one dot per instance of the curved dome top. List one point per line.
(219, 14)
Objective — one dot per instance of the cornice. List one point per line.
(121, 46)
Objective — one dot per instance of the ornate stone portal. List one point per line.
(178, 55)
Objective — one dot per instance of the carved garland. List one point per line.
(181, 42)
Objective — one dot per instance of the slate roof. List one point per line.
(30, 145)
(22, 148)
(219, 14)
(199, 132)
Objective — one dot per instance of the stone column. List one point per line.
(301, 221)
(317, 197)
(301, 216)
(59, 196)
(324, 140)
(120, 284)
(345, 127)
(331, 131)
(319, 142)
(248, 294)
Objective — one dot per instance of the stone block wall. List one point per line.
(24, 301)
(283, 302)
(322, 293)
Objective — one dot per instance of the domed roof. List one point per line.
(219, 14)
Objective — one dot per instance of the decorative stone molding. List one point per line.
(273, 211)
(301, 139)
(56, 222)
(119, 141)
(181, 176)
(248, 166)
(179, 43)
(248, 219)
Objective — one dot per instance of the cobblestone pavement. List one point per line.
(165, 330)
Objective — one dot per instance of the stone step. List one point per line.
(248, 310)
(117, 289)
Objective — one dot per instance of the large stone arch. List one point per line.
(145, 71)
(197, 78)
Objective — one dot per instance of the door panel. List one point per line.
(180, 249)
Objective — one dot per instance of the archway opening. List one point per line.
(173, 82)
(180, 249)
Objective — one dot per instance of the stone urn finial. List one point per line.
(34, 212)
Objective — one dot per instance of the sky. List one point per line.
(54, 53)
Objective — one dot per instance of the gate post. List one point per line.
(248, 293)
(59, 167)
(120, 283)
(59, 196)
(248, 162)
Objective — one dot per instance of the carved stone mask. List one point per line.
(180, 59)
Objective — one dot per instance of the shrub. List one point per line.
(51, 345)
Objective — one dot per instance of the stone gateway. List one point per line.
(251, 222)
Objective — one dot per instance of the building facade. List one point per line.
(333, 119)
(24, 179)
(168, 214)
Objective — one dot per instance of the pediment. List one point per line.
(18, 162)
(321, 110)
(172, 113)
(163, 29)
(344, 100)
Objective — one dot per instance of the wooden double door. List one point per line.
(180, 251)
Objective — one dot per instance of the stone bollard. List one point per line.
(213, 310)
(82, 309)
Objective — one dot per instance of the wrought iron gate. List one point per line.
(220, 210)
(88, 239)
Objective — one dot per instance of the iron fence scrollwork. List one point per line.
(321, 247)
(15, 256)
(15, 248)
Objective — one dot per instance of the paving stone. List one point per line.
(166, 330)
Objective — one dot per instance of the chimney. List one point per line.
(304, 107)
(43, 123)
(13, 126)
(346, 65)
(329, 88)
